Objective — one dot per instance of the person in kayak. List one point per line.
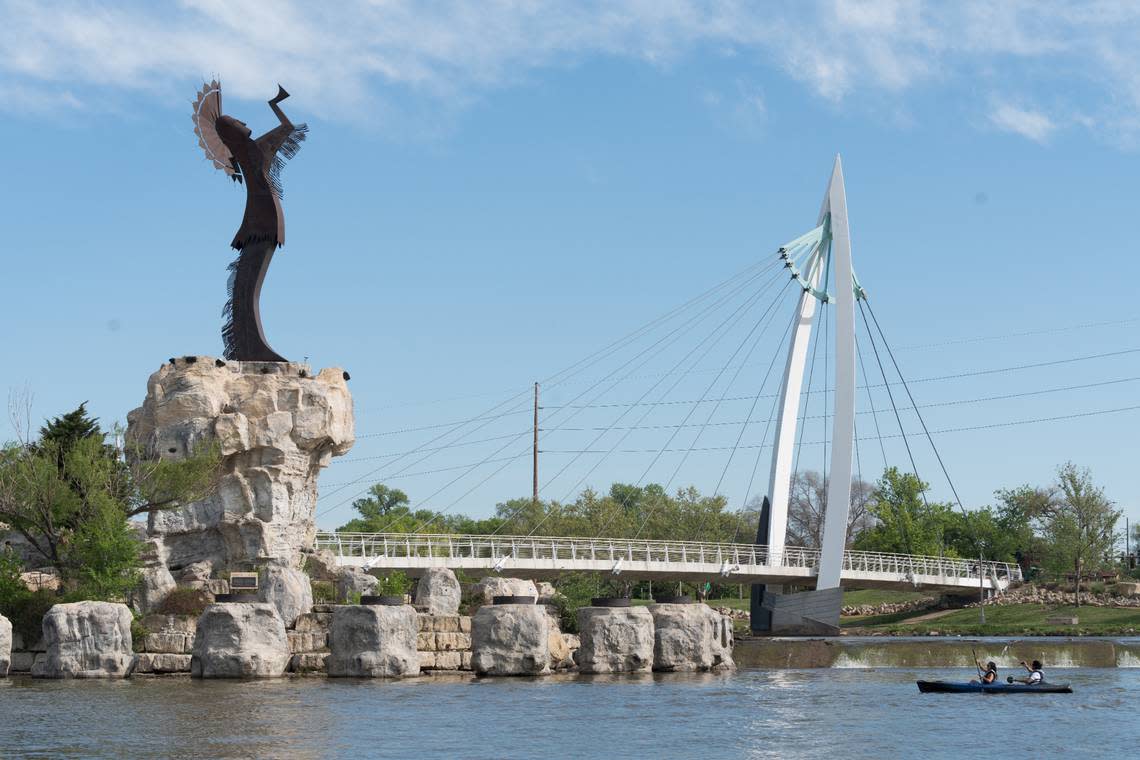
(1036, 674)
(989, 674)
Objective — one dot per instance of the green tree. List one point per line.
(1078, 524)
(71, 495)
(906, 522)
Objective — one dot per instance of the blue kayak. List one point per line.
(951, 687)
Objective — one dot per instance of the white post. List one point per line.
(785, 440)
(843, 427)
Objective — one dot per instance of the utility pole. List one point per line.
(534, 492)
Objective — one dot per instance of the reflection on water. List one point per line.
(817, 713)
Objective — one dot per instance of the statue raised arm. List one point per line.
(229, 144)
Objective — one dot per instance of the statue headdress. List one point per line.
(207, 110)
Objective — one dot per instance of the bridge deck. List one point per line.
(549, 557)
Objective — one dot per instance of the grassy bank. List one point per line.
(1011, 620)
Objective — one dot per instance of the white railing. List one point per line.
(749, 558)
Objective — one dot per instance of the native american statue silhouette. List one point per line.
(229, 144)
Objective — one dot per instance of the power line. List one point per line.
(931, 405)
(1023, 334)
(437, 448)
(940, 431)
(570, 371)
(691, 323)
(937, 454)
(438, 425)
(954, 376)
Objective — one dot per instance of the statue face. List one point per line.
(232, 131)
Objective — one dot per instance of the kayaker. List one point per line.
(990, 676)
(1036, 675)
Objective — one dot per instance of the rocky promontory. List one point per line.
(277, 425)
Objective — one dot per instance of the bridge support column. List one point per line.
(843, 424)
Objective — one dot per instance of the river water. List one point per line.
(748, 714)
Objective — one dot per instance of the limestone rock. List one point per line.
(162, 663)
(240, 641)
(438, 590)
(184, 624)
(86, 640)
(691, 637)
(277, 426)
(488, 588)
(154, 586)
(286, 589)
(5, 645)
(321, 565)
(560, 655)
(44, 579)
(308, 662)
(615, 640)
(510, 640)
(373, 641)
(168, 643)
(546, 592)
(352, 581)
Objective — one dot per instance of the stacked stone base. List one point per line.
(444, 642)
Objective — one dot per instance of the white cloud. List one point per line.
(1027, 123)
(355, 59)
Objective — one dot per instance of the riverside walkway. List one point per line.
(540, 558)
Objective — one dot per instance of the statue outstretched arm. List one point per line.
(272, 140)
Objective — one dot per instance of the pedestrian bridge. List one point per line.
(544, 558)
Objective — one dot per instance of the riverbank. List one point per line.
(934, 652)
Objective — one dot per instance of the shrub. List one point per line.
(324, 592)
(574, 591)
(184, 601)
(138, 635)
(394, 584)
(26, 613)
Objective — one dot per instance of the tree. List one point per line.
(1078, 523)
(807, 504)
(70, 495)
(906, 522)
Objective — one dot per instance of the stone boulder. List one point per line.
(352, 582)
(510, 640)
(546, 592)
(277, 425)
(373, 641)
(491, 586)
(240, 641)
(5, 645)
(154, 586)
(321, 565)
(86, 640)
(690, 637)
(438, 591)
(289, 590)
(615, 640)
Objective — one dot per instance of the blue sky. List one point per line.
(492, 192)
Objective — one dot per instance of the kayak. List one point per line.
(951, 687)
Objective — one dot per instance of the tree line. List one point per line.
(1065, 528)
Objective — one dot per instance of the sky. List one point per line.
(492, 192)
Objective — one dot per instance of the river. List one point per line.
(870, 713)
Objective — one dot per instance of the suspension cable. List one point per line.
(918, 413)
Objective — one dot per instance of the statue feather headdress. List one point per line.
(207, 109)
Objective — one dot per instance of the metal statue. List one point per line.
(229, 144)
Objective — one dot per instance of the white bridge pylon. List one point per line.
(830, 246)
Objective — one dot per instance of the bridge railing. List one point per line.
(395, 546)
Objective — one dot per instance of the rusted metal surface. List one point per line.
(257, 163)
